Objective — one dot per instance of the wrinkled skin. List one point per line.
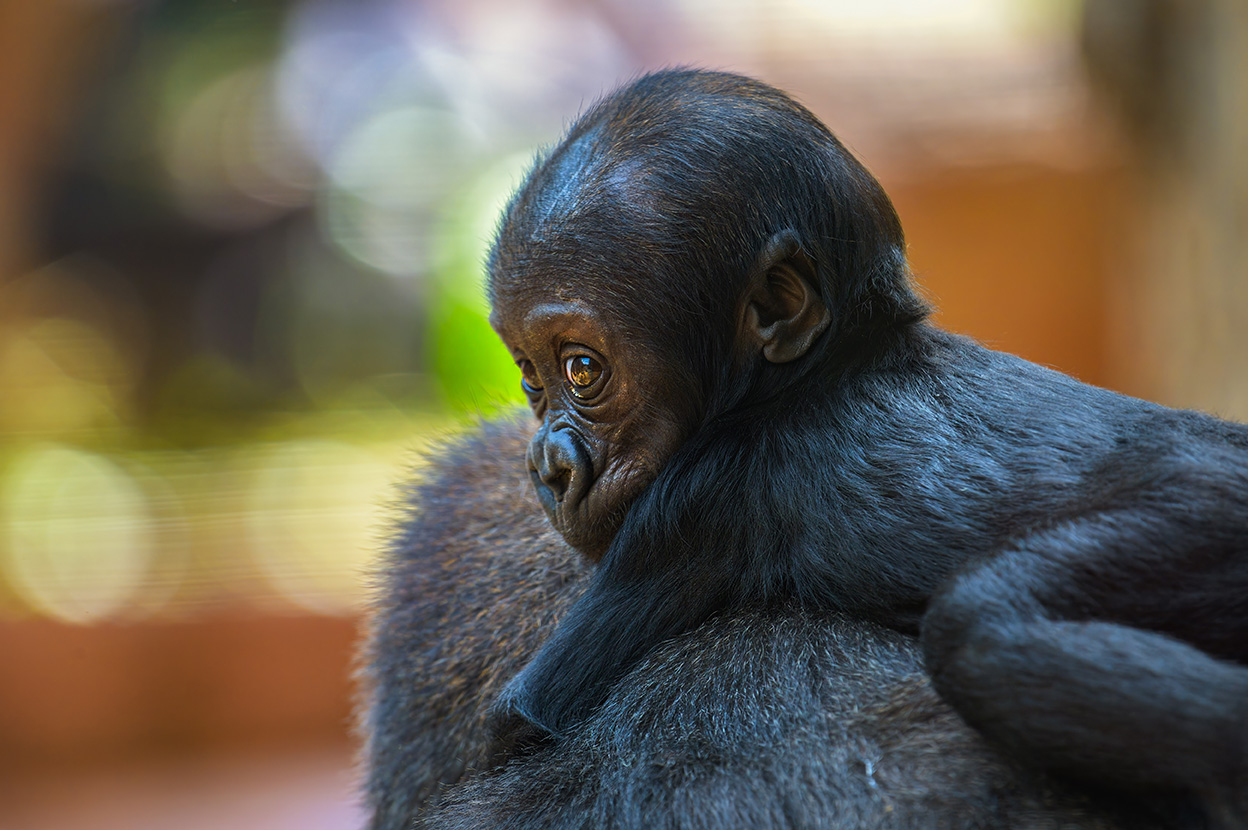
(601, 441)
(743, 404)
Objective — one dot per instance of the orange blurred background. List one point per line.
(240, 250)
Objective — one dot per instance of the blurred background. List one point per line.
(240, 264)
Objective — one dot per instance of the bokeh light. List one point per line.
(77, 533)
(59, 376)
(241, 286)
(386, 182)
(268, 259)
(474, 371)
(272, 226)
(312, 507)
(231, 163)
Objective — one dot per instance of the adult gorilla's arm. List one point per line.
(761, 718)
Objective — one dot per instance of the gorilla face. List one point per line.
(605, 432)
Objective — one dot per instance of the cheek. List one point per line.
(634, 461)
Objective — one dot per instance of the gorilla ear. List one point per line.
(784, 314)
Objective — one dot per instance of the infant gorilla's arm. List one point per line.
(771, 718)
(742, 403)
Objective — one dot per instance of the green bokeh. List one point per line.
(474, 372)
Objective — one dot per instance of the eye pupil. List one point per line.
(583, 372)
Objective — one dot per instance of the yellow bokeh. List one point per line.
(312, 507)
(58, 376)
(76, 532)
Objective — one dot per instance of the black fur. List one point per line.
(1077, 560)
(761, 718)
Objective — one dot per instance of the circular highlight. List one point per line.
(312, 507)
(78, 534)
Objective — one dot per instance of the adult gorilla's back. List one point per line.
(771, 717)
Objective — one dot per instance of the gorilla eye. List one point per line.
(529, 381)
(582, 372)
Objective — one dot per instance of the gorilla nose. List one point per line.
(554, 460)
(556, 477)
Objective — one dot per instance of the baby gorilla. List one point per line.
(741, 400)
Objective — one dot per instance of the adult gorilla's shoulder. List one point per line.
(765, 717)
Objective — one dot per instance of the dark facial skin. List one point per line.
(603, 437)
(766, 415)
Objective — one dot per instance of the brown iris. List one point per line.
(582, 372)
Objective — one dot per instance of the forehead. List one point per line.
(583, 215)
(529, 325)
(593, 272)
(589, 236)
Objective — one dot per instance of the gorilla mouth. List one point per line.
(560, 511)
(573, 517)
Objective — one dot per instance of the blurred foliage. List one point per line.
(265, 254)
(474, 371)
(263, 250)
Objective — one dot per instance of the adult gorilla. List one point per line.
(762, 717)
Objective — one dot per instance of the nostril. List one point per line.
(556, 472)
(557, 463)
(558, 482)
(554, 476)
